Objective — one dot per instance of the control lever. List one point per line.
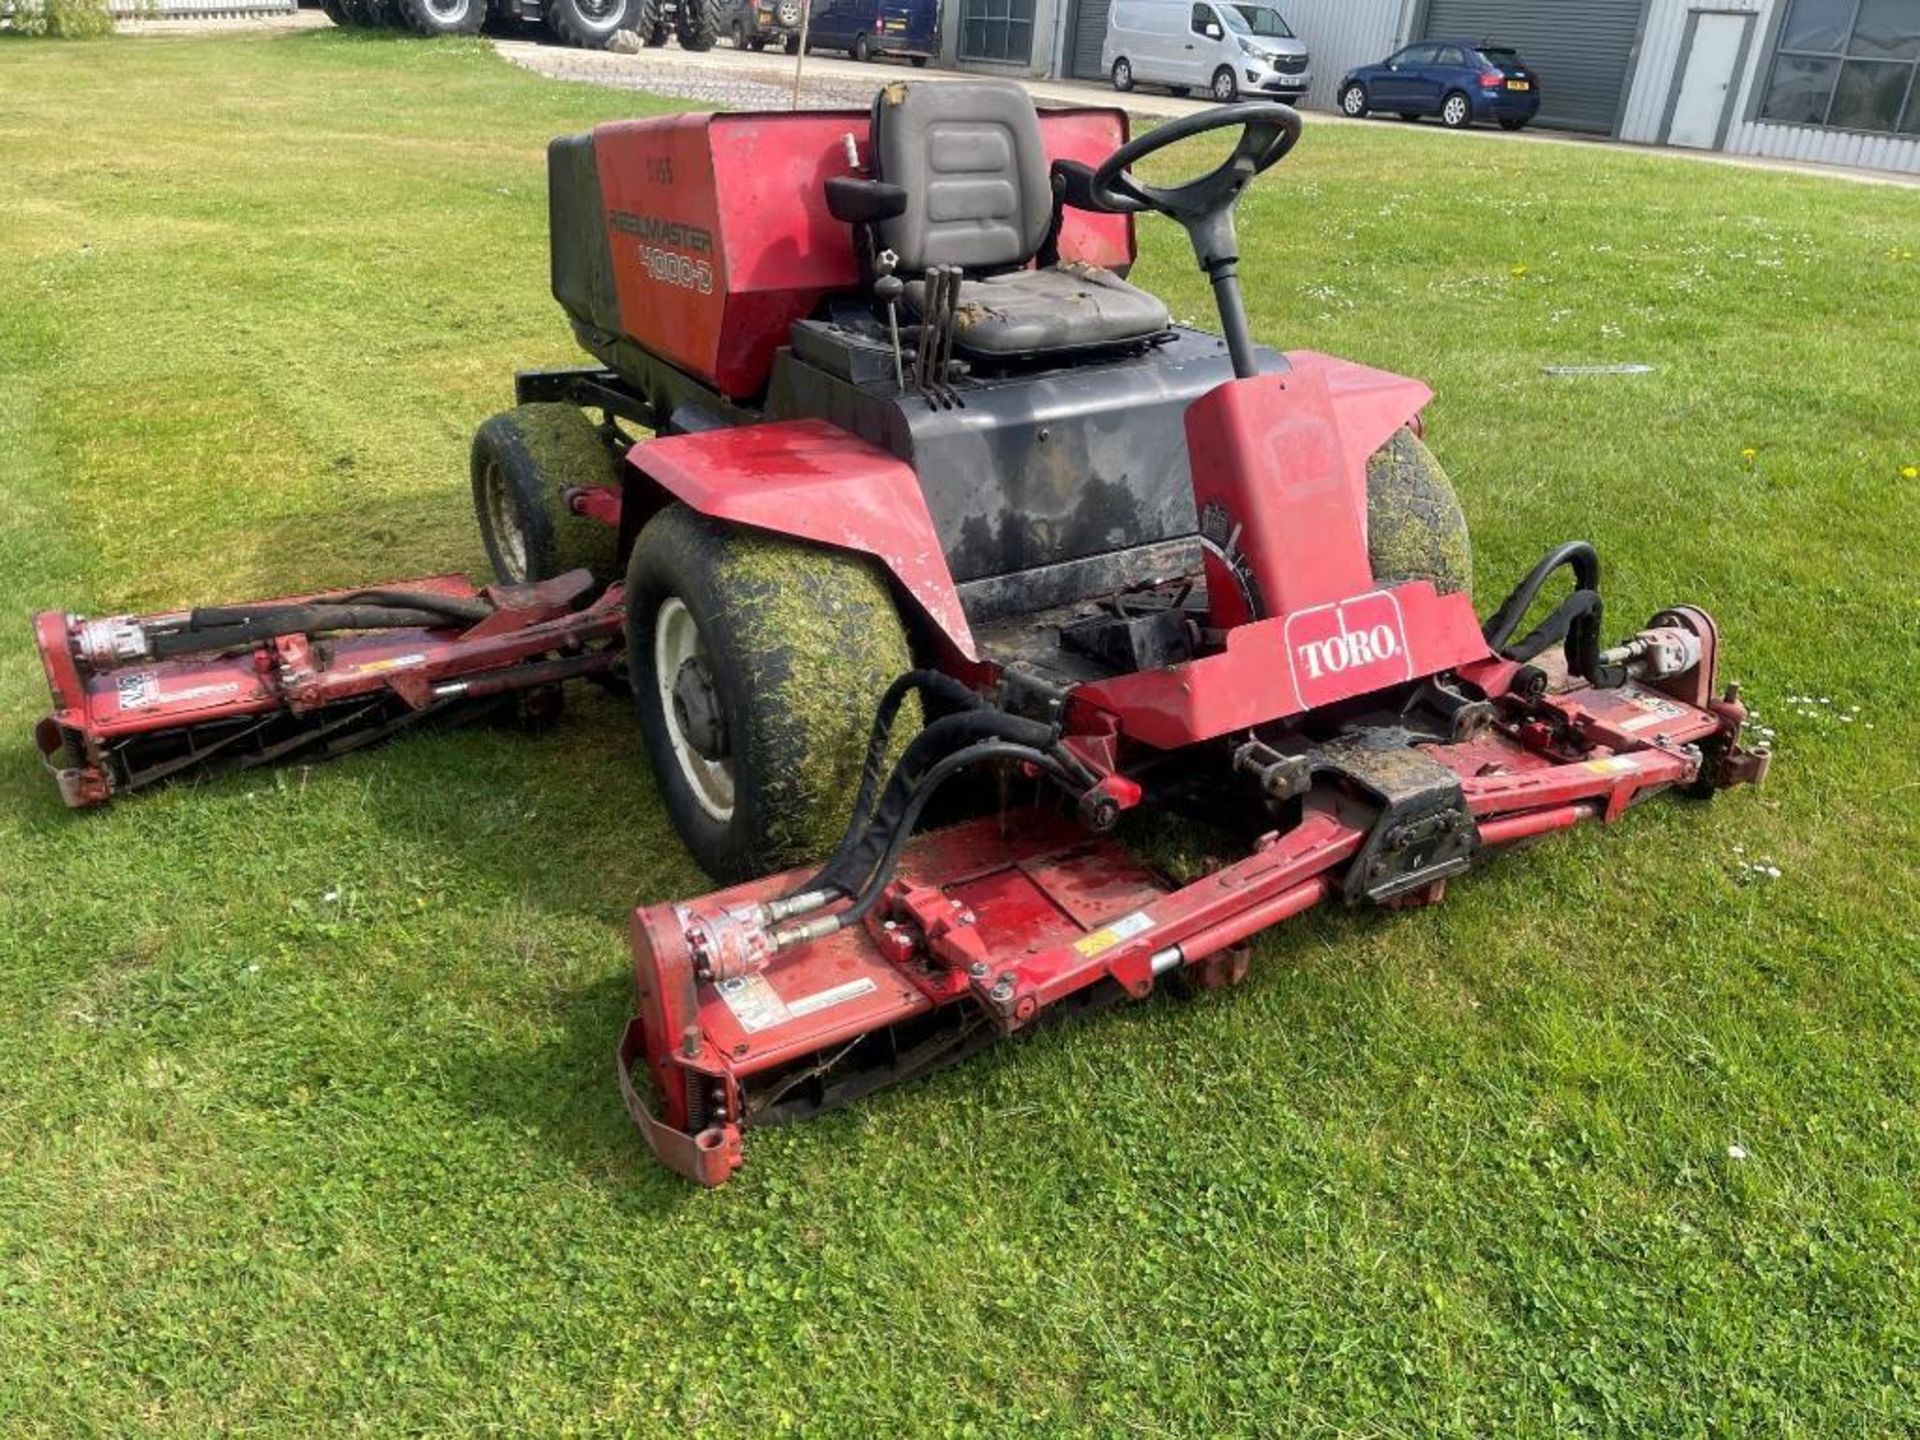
(950, 324)
(887, 289)
(932, 299)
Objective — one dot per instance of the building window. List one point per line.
(999, 30)
(1849, 64)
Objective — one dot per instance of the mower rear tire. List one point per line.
(523, 462)
(589, 24)
(336, 11)
(697, 24)
(443, 17)
(781, 652)
(1415, 528)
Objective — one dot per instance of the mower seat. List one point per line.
(973, 190)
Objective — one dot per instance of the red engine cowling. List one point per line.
(701, 238)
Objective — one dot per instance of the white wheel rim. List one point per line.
(1353, 102)
(504, 523)
(1223, 88)
(1122, 74)
(676, 640)
(1456, 108)
(448, 12)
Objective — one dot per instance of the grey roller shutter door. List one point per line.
(1089, 33)
(1582, 49)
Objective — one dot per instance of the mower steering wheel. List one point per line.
(1268, 131)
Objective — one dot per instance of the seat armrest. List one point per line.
(1073, 185)
(862, 202)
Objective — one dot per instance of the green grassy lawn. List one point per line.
(307, 1121)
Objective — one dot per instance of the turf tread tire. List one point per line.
(802, 641)
(1415, 527)
(540, 451)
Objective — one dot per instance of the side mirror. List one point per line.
(1213, 32)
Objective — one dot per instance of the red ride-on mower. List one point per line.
(922, 453)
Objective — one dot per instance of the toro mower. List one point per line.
(934, 494)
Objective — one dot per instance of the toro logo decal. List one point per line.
(1347, 648)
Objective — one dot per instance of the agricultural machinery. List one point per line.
(589, 24)
(934, 500)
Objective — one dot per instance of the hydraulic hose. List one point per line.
(222, 626)
(898, 827)
(873, 825)
(1576, 620)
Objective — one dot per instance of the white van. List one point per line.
(1226, 47)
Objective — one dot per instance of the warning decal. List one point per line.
(1106, 937)
(821, 999)
(757, 1006)
(1655, 708)
(753, 1003)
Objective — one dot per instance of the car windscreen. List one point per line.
(1256, 20)
(1500, 57)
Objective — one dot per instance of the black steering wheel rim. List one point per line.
(1268, 131)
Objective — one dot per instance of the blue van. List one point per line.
(868, 29)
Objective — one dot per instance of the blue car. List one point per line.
(1458, 80)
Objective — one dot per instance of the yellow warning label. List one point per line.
(1612, 765)
(1098, 942)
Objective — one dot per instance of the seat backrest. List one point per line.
(969, 155)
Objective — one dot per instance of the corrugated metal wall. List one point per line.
(1654, 77)
(1825, 147)
(1341, 34)
(1085, 33)
(1583, 49)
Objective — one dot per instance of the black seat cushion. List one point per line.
(1070, 307)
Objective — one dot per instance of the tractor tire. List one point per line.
(443, 17)
(1415, 529)
(523, 462)
(697, 24)
(589, 24)
(650, 19)
(780, 652)
(381, 14)
(336, 11)
(792, 45)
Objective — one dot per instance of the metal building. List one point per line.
(1834, 81)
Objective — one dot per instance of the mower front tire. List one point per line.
(1415, 528)
(757, 663)
(524, 460)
